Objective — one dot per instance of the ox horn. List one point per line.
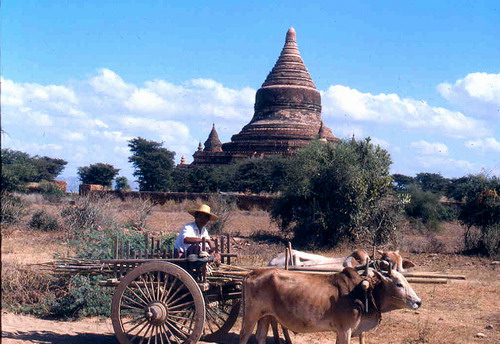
(390, 268)
(365, 285)
(366, 267)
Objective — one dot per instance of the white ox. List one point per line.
(357, 257)
(304, 259)
(304, 302)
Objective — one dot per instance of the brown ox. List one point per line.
(305, 302)
(395, 258)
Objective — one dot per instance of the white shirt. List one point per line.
(189, 231)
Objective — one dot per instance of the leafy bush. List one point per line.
(83, 297)
(13, 208)
(426, 212)
(50, 191)
(334, 194)
(28, 290)
(481, 215)
(41, 220)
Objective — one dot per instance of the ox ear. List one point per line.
(407, 264)
(384, 265)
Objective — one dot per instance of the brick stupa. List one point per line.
(287, 115)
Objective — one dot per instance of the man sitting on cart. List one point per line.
(190, 237)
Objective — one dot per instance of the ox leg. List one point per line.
(247, 327)
(263, 327)
(362, 338)
(276, 334)
(344, 336)
(288, 340)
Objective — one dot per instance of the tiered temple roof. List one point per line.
(287, 114)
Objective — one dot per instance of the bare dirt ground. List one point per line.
(451, 313)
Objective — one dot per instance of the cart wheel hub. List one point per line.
(156, 313)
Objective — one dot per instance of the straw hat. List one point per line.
(205, 209)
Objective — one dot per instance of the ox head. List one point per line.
(395, 258)
(395, 292)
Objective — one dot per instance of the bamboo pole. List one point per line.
(433, 275)
(427, 280)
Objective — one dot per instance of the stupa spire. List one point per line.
(213, 144)
(290, 68)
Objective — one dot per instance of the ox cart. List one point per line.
(160, 298)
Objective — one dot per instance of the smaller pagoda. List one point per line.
(211, 152)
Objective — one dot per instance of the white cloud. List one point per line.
(477, 94)
(73, 136)
(347, 103)
(487, 144)
(380, 142)
(98, 123)
(429, 148)
(173, 134)
(145, 101)
(91, 120)
(446, 164)
(110, 84)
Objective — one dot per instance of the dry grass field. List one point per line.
(451, 313)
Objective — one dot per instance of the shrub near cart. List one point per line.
(162, 299)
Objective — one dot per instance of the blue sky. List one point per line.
(81, 78)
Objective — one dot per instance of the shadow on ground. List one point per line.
(48, 337)
(51, 337)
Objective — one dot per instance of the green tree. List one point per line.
(203, 178)
(433, 182)
(19, 168)
(401, 182)
(100, 174)
(48, 168)
(260, 175)
(335, 193)
(121, 183)
(153, 164)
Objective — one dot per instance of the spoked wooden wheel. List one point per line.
(158, 303)
(220, 317)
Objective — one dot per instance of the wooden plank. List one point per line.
(115, 255)
(222, 260)
(142, 260)
(433, 275)
(427, 280)
(228, 249)
(152, 248)
(146, 245)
